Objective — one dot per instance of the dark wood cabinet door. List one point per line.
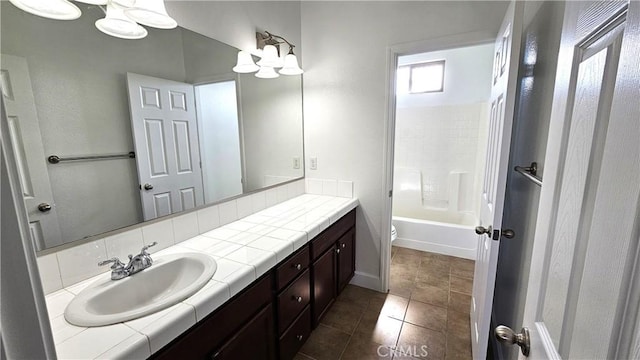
(324, 283)
(256, 340)
(346, 258)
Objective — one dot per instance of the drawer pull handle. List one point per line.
(297, 298)
(297, 266)
(299, 337)
(344, 245)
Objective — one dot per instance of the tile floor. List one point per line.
(428, 304)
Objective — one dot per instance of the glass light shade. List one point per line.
(118, 25)
(151, 13)
(123, 3)
(267, 72)
(245, 63)
(51, 9)
(94, 2)
(291, 66)
(270, 57)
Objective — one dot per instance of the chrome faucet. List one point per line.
(136, 264)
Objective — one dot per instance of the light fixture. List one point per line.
(270, 59)
(94, 2)
(151, 13)
(245, 63)
(122, 16)
(51, 9)
(291, 66)
(117, 24)
(266, 72)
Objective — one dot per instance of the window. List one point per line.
(421, 78)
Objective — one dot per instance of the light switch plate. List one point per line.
(314, 163)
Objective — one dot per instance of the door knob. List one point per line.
(508, 336)
(508, 233)
(148, 186)
(482, 230)
(44, 207)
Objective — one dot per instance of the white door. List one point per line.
(583, 291)
(219, 132)
(503, 91)
(24, 133)
(165, 132)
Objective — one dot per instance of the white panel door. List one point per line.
(24, 132)
(585, 253)
(165, 131)
(503, 91)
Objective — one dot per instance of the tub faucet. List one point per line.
(136, 264)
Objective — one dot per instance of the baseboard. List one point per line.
(366, 281)
(436, 248)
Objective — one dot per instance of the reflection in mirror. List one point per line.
(200, 132)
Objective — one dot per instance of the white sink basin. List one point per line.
(171, 279)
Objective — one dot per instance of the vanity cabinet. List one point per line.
(333, 253)
(273, 317)
(246, 318)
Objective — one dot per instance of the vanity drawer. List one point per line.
(328, 237)
(292, 300)
(296, 335)
(291, 268)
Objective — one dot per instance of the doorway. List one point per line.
(436, 146)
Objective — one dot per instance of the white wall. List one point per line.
(272, 129)
(467, 76)
(236, 22)
(345, 59)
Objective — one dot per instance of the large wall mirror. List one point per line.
(141, 128)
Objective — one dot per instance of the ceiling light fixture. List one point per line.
(50, 9)
(122, 16)
(117, 24)
(269, 58)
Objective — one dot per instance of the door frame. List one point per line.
(393, 52)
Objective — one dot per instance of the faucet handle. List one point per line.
(116, 263)
(144, 248)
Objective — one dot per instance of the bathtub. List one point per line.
(448, 233)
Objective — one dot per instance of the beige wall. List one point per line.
(345, 58)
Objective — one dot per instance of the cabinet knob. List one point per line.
(297, 298)
(299, 337)
(298, 266)
(338, 251)
(344, 245)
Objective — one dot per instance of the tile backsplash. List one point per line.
(72, 265)
(329, 187)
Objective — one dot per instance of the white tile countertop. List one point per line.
(244, 250)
